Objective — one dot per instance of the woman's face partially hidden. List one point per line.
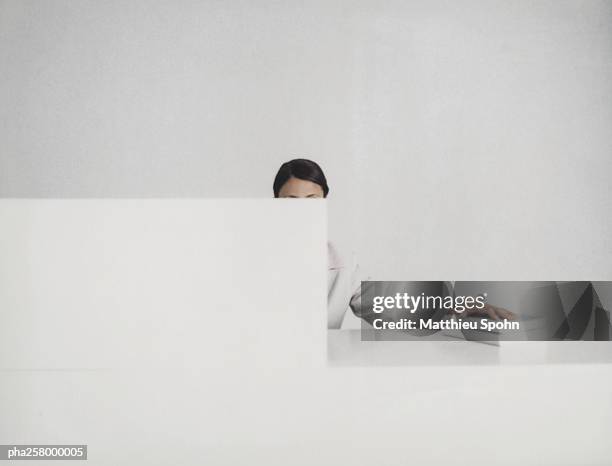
(296, 188)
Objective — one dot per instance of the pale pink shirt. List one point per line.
(343, 287)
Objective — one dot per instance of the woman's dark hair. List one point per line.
(302, 169)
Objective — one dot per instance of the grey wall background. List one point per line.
(462, 140)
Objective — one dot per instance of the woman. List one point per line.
(302, 178)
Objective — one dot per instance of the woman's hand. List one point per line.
(494, 312)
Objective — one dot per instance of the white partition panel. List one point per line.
(106, 284)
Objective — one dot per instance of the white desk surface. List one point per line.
(457, 404)
(344, 347)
